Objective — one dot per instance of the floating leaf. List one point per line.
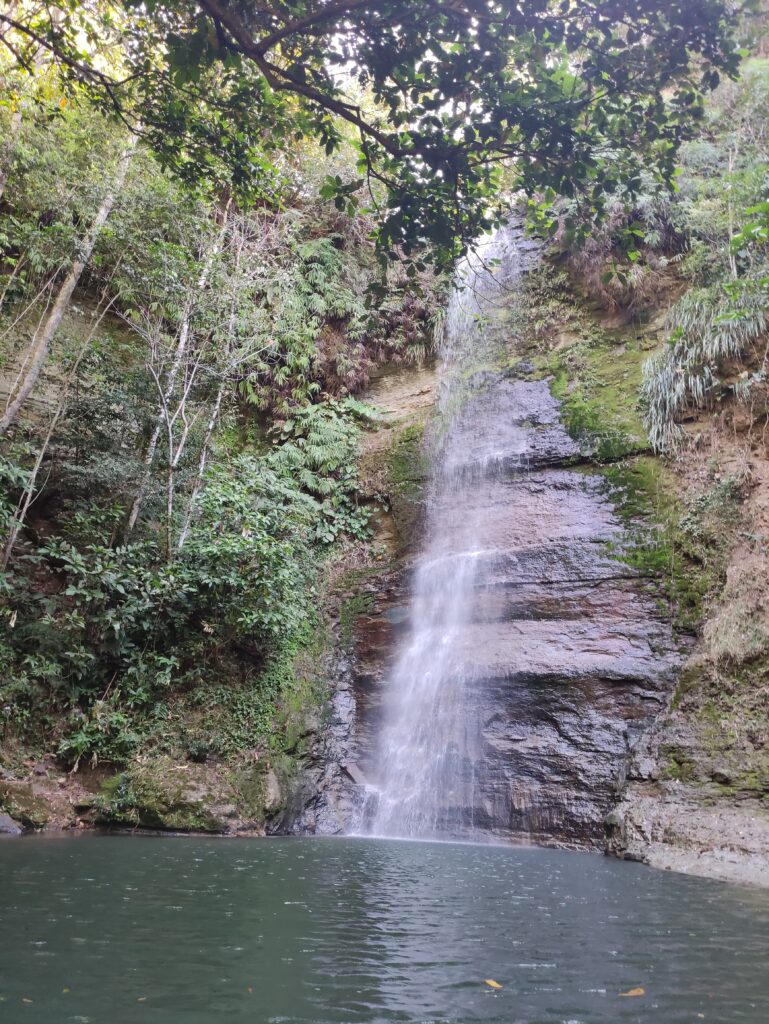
(634, 992)
(491, 983)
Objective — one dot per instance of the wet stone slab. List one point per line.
(563, 657)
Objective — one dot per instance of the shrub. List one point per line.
(707, 327)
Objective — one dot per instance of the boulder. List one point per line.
(9, 827)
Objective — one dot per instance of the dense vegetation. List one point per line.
(705, 243)
(446, 98)
(193, 290)
(187, 458)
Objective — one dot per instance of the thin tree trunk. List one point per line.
(167, 392)
(42, 343)
(170, 471)
(28, 494)
(730, 209)
(214, 417)
(198, 481)
(174, 458)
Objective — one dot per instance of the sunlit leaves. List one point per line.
(458, 89)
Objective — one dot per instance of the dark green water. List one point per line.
(192, 931)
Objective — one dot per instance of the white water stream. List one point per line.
(424, 782)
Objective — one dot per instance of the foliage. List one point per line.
(707, 328)
(436, 94)
(315, 330)
(106, 628)
(709, 234)
(124, 626)
(317, 449)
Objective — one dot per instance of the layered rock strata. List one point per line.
(565, 657)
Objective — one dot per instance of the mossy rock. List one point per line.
(253, 786)
(19, 801)
(170, 797)
(266, 789)
(407, 472)
(353, 606)
(678, 764)
(668, 540)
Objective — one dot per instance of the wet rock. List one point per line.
(682, 827)
(273, 794)
(522, 368)
(695, 798)
(318, 794)
(9, 827)
(568, 656)
(21, 802)
(169, 797)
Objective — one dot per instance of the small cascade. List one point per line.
(431, 745)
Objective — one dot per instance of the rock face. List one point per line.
(568, 657)
(697, 795)
(314, 792)
(23, 804)
(9, 827)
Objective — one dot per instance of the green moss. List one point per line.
(678, 766)
(160, 795)
(688, 682)
(408, 465)
(351, 608)
(596, 379)
(407, 470)
(682, 545)
(18, 800)
(250, 784)
(725, 727)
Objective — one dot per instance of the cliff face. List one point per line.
(618, 644)
(569, 658)
(697, 797)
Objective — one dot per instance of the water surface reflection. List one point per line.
(171, 931)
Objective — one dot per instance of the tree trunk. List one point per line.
(174, 458)
(28, 494)
(44, 337)
(197, 483)
(167, 393)
(730, 209)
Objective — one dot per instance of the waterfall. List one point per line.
(424, 783)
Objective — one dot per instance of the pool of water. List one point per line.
(191, 931)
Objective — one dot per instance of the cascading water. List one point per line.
(431, 747)
(533, 657)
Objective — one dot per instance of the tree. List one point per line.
(43, 338)
(441, 93)
(166, 417)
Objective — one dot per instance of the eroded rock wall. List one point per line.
(569, 655)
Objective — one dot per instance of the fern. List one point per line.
(316, 449)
